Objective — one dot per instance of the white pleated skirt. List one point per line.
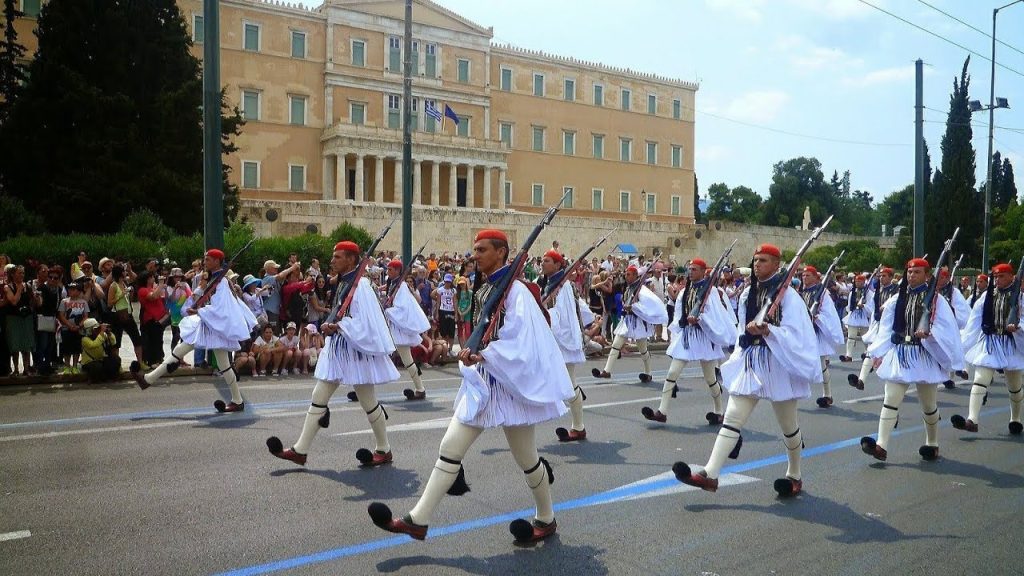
(996, 352)
(572, 356)
(198, 334)
(910, 364)
(339, 362)
(754, 371)
(500, 407)
(404, 337)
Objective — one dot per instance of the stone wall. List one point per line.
(449, 229)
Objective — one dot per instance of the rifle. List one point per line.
(642, 280)
(1015, 294)
(771, 305)
(577, 264)
(952, 279)
(483, 332)
(211, 285)
(924, 324)
(864, 295)
(345, 296)
(816, 306)
(705, 291)
(401, 278)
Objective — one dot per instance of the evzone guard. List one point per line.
(771, 361)
(357, 353)
(701, 327)
(407, 323)
(514, 381)
(642, 310)
(563, 307)
(992, 340)
(216, 322)
(961, 311)
(879, 293)
(828, 329)
(917, 343)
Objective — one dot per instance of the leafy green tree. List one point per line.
(103, 128)
(897, 209)
(797, 183)
(741, 204)
(12, 70)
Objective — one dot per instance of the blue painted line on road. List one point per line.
(584, 502)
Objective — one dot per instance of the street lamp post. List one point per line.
(975, 106)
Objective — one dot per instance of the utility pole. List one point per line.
(407, 190)
(213, 189)
(919, 182)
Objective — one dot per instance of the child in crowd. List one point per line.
(289, 343)
(310, 344)
(245, 360)
(268, 351)
(71, 314)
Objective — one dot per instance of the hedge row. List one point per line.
(179, 250)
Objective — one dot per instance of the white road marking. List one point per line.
(15, 535)
(726, 480)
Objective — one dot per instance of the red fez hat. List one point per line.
(983, 277)
(769, 249)
(699, 262)
(215, 253)
(348, 246)
(918, 263)
(811, 269)
(554, 255)
(633, 269)
(944, 272)
(1002, 269)
(395, 264)
(886, 270)
(862, 276)
(491, 235)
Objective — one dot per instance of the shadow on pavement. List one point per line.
(948, 467)
(537, 559)
(588, 452)
(853, 527)
(382, 483)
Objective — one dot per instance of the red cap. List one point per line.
(1002, 269)
(983, 277)
(491, 235)
(886, 270)
(811, 269)
(699, 262)
(348, 246)
(554, 255)
(944, 272)
(633, 269)
(769, 249)
(918, 263)
(862, 276)
(215, 253)
(395, 264)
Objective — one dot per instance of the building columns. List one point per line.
(453, 183)
(470, 187)
(340, 181)
(398, 181)
(417, 174)
(328, 181)
(502, 176)
(487, 188)
(360, 191)
(378, 180)
(435, 184)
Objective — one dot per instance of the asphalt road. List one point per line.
(113, 480)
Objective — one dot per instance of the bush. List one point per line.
(64, 249)
(144, 223)
(346, 231)
(16, 219)
(861, 256)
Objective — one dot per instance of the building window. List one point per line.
(394, 111)
(652, 104)
(568, 143)
(597, 199)
(677, 156)
(508, 192)
(623, 201)
(357, 112)
(429, 124)
(652, 203)
(358, 53)
(677, 109)
(250, 174)
(414, 118)
(599, 146)
(296, 178)
(625, 149)
(538, 84)
(394, 54)
(538, 139)
(431, 62)
(30, 8)
(569, 193)
(676, 204)
(462, 128)
(415, 58)
(297, 110)
(251, 35)
(505, 133)
(598, 95)
(298, 44)
(198, 28)
(506, 79)
(250, 105)
(538, 195)
(570, 90)
(625, 96)
(652, 152)
(463, 71)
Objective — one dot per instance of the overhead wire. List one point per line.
(980, 31)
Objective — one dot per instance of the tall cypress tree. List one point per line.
(1009, 187)
(110, 119)
(12, 70)
(954, 200)
(697, 216)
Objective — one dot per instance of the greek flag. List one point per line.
(432, 111)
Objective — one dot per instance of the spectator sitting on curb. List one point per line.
(100, 361)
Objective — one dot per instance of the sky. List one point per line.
(829, 79)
